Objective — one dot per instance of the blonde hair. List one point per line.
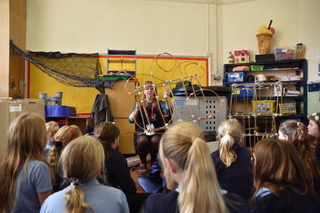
(229, 134)
(183, 143)
(26, 137)
(81, 160)
(50, 128)
(64, 135)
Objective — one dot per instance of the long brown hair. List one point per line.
(183, 143)
(299, 137)
(107, 132)
(26, 139)
(277, 166)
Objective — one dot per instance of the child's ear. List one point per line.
(171, 165)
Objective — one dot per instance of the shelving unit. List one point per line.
(262, 105)
(121, 62)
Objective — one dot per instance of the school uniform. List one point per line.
(238, 177)
(102, 199)
(168, 202)
(33, 180)
(287, 200)
(118, 173)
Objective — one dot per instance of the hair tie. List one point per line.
(72, 132)
(57, 144)
(75, 181)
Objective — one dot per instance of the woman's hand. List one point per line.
(166, 93)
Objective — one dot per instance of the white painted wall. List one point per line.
(295, 21)
(184, 27)
(151, 27)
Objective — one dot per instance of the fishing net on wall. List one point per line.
(72, 69)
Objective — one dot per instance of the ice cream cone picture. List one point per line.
(264, 41)
(264, 36)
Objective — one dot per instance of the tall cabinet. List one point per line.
(121, 103)
(267, 94)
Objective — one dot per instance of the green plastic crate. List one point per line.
(256, 67)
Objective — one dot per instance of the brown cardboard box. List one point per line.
(12, 108)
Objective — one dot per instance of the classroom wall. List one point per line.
(82, 98)
(178, 27)
(295, 21)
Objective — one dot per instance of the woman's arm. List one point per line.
(134, 112)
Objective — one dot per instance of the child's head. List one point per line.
(277, 165)
(230, 130)
(314, 125)
(52, 128)
(107, 132)
(295, 132)
(184, 155)
(229, 134)
(67, 133)
(27, 136)
(83, 158)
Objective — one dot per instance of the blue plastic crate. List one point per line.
(236, 77)
(246, 91)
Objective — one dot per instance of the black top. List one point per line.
(118, 173)
(168, 203)
(153, 114)
(287, 201)
(318, 153)
(238, 177)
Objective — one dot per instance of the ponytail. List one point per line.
(75, 200)
(229, 135)
(227, 155)
(195, 196)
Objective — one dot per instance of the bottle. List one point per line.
(299, 51)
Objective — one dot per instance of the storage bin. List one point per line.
(284, 53)
(263, 107)
(287, 109)
(246, 91)
(256, 67)
(236, 77)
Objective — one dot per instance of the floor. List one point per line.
(135, 175)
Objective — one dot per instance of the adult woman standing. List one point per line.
(232, 161)
(25, 179)
(280, 179)
(149, 114)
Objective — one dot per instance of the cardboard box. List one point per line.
(11, 109)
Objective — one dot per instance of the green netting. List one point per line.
(73, 69)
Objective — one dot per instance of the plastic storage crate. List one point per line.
(256, 67)
(236, 77)
(264, 107)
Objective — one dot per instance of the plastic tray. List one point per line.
(114, 77)
(256, 67)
